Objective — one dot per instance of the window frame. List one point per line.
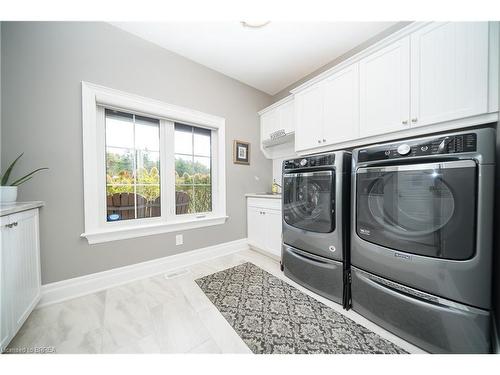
(95, 99)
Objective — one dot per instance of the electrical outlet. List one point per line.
(179, 239)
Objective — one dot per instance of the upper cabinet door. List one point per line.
(269, 123)
(384, 95)
(341, 106)
(449, 75)
(287, 116)
(309, 118)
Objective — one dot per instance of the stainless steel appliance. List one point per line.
(315, 223)
(421, 245)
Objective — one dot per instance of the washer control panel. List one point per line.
(421, 147)
(310, 161)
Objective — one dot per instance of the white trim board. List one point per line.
(79, 286)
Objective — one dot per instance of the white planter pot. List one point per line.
(8, 194)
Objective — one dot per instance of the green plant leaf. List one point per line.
(6, 175)
(23, 179)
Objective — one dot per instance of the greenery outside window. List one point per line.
(193, 182)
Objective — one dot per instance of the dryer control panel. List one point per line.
(420, 147)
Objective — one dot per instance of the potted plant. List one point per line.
(8, 191)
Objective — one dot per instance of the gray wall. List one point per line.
(43, 65)
(286, 91)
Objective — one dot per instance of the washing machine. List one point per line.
(316, 210)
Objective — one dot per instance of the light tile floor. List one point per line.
(160, 314)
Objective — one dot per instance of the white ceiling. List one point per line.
(270, 58)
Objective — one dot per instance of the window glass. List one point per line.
(132, 166)
(193, 179)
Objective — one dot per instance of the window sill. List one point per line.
(150, 229)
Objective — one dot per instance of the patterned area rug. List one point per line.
(272, 316)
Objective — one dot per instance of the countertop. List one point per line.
(12, 208)
(263, 195)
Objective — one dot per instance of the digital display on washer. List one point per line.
(418, 147)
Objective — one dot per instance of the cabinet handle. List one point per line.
(405, 122)
(324, 140)
(414, 119)
(14, 224)
(319, 140)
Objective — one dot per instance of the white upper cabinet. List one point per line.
(270, 122)
(384, 93)
(449, 72)
(443, 74)
(286, 115)
(328, 112)
(279, 117)
(341, 106)
(309, 118)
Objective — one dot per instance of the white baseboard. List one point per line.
(79, 286)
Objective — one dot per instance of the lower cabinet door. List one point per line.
(430, 322)
(20, 283)
(25, 271)
(273, 231)
(5, 305)
(256, 227)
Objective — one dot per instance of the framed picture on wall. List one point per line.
(241, 152)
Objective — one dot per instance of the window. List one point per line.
(132, 166)
(193, 182)
(149, 167)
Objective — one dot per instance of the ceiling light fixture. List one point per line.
(255, 24)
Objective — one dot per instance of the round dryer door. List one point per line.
(424, 209)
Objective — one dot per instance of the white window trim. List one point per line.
(96, 228)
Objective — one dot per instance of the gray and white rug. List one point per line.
(272, 316)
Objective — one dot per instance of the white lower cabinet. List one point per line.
(264, 225)
(20, 282)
